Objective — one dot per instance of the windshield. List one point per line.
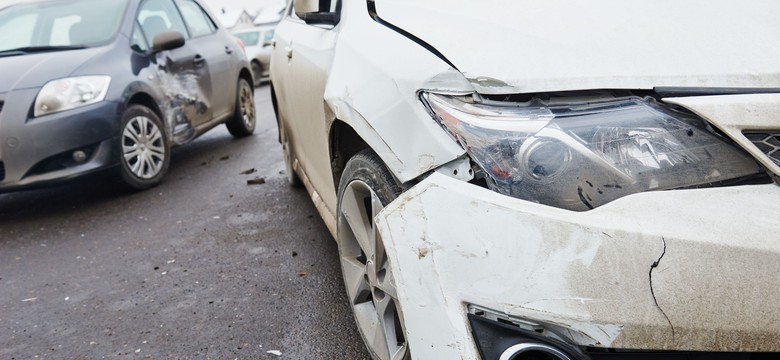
(60, 24)
(249, 38)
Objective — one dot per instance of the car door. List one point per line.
(217, 52)
(304, 69)
(182, 73)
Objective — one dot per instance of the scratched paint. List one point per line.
(184, 100)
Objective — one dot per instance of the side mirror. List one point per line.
(309, 12)
(167, 40)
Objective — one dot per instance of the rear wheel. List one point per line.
(243, 121)
(366, 186)
(144, 148)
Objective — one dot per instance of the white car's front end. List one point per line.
(589, 180)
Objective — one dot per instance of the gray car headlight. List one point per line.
(579, 156)
(70, 93)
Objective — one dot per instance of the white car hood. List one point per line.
(522, 46)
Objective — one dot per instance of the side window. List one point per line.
(197, 21)
(137, 41)
(158, 16)
(269, 35)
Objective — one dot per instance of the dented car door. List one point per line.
(183, 73)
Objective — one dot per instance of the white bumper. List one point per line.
(678, 270)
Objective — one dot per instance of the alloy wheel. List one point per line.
(367, 275)
(247, 104)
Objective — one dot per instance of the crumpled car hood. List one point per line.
(523, 46)
(35, 70)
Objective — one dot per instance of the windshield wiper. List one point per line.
(39, 49)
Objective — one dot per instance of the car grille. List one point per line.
(768, 143)
(2, 171)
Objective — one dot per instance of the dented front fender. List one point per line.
(656, 271)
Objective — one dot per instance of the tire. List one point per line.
(144, 148)
(243, 121)
(292, 177)
(257, 73)
(366, 186)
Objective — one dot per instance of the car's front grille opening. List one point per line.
(767, 142)
(2, 171)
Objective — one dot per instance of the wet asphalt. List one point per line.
(204, 266)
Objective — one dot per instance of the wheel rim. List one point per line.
(247, 105)
(367, 276)
(143, 147)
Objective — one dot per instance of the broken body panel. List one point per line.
(633, 274)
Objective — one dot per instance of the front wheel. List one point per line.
(144, 148)
(243, 121)
(366, 186)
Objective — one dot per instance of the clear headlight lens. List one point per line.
(581, 156)
(65, 94)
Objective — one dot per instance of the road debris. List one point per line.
(30, 299)
(303, 274)
(226, 157)
(248, 172)
(256, 181)
(275, 352)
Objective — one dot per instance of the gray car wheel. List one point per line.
(366, 186)
(243, 121)
(144, 148)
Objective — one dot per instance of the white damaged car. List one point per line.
(536, 180)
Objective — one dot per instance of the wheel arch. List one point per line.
(145, 99)
(344, 143)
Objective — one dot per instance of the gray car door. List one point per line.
(218, 51)
(183, 75)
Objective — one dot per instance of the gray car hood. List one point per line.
(522, 46)
(35, 70)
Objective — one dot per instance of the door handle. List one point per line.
(289, 52)
(199, 60)
(273, 43)
(228, 50)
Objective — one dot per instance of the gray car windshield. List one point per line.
(59, 25)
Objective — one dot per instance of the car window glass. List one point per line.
(60, 23)
(269, 35)
(137, 41)
(157, 16)
(60, 32)
(17, 32)
(249, 38)
(197, 21)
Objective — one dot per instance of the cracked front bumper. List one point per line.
(687, 270)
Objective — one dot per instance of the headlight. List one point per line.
(65, 94)
(583, 155)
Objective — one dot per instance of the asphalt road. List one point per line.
(202, 267)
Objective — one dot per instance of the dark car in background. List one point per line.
(91, 85)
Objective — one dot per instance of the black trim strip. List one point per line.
(372, 12)
(668, 91)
